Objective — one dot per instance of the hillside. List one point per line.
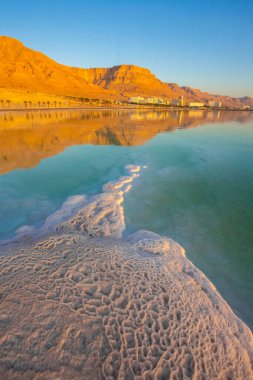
(128, 80)
(22, 68)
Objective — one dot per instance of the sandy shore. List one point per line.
(80, 302)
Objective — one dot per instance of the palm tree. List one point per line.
(25, 103)
(48, 103)
(8, 102)
(2, 103)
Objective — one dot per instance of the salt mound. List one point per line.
(153, 243)
(78, 302)
(75, 307)
(102, 216)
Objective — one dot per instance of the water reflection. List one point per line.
(28, 137)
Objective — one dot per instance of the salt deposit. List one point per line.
(79, 302)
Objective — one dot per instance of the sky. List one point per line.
(204, 44)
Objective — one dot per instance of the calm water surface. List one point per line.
(197, 188)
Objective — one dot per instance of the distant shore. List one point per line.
(128, 107)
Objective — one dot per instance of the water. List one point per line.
(197, 188)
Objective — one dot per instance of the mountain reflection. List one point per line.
(28, 137)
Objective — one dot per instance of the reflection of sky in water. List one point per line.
(197, 189)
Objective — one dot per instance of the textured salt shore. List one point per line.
(82, 303)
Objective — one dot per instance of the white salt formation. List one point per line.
(104, 214)
(81, 304)
(99, 215)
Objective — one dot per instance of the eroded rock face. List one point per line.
(74, 307)
(129, 80)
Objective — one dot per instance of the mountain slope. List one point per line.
(25, 69)
(128, 80)
(199, 95)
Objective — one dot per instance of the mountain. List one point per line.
(22, 68)
(200, 96)
(127, 80)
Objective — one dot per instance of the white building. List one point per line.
(182, 101)
(178, 102)
(156, 100)
(150, 100)
(175, 102)
(161, 101)
(196, 104)
(212, 103)
(137, 100)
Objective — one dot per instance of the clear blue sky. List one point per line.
(206, 44)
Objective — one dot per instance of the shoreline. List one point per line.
(77, 297)
(135, 108)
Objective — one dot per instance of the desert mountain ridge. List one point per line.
(22, 68)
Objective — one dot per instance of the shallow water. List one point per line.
(197, 188)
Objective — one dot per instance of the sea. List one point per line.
(197, 186)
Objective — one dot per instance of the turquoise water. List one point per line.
(197, 189)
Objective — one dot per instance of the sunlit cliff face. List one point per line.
(28, 137)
